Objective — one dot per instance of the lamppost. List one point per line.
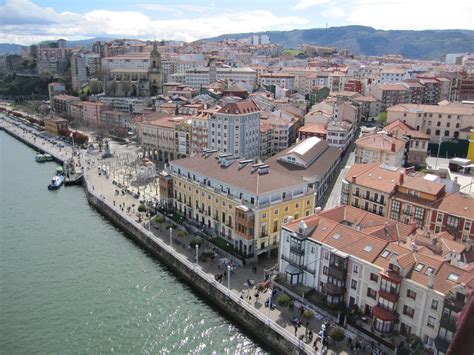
(171, 237)
(270, 302)
(228, 278)
(439, 147)
(197, 254)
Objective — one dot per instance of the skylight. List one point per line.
(336, 236)
(368, 248)
(430, 270)
(453, 277)
(419, 267)
(385, 253)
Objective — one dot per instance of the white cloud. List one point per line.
(26, 28)
(306, 4)
(412, 14)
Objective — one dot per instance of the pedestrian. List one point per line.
(296, 329)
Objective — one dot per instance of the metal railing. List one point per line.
(208, 278)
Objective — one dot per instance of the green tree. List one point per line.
(337, 335)
(95, 86)
(284, 300)
(381, 118)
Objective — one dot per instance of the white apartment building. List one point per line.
(286, 81)
(137, 61)
(204, 76)
(235, 128)
(379, 147)
(397, 278)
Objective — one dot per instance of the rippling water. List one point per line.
(70, 282)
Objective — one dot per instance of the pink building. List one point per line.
(91, 111)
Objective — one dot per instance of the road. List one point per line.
(335, 196)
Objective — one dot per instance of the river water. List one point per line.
(70, 282)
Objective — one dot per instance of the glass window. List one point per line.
(411, 294)
(434, 304)
(354, 284)
(431, 322)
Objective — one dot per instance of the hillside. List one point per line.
(426, 44)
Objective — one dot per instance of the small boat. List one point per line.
(56, 182)
(48, 157)
(40, 158)
(59, 171)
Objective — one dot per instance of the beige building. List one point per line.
(391, 94)
(445, 120)
(380, 147)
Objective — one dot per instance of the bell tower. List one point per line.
(155, 72)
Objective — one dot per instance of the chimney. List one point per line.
(353, 179)
(430, 280)
(401, 178)
(317, 210)
(393, 147)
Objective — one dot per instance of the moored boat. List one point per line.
(59, 170)
(40, 158)
(48, 157)
(56, 182)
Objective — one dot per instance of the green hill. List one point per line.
(426, 44)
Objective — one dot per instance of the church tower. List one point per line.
(155, 72)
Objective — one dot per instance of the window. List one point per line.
(446, 133)
(354, 284)
(419, 267)
(325, 270)
(431, 322)
(408, 311)
(326, 255)
(439, 217)
(452, 222)
(410, 293)
(368, 248)
(453, 277)
(374, 277)
(429, 270)
(276, 211)
(438, 124)
(437, 132)
(385, 253)
(445, 334)
(371, 293)
(355, 269)
(427, 340)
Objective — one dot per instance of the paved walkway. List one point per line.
(238, 279)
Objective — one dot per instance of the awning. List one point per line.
(290, 269)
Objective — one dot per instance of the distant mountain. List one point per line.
(426, 44)
(10, 48)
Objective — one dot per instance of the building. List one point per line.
(285, 81)
(234, 129)
(417, 141)
(199, 77)
(380, 147)
(243, 203)
(55, 125)
(313, 130)
(166, 138)
(61, 104)
(155, 72)
(78, 71)
(115, 119)
(199, 134)
(445, 120)
(391, 94)
(454, 214)
(129, 105)
(403, 282)
(312, 160)
(340, 134)
(56, 88)
(91, 111)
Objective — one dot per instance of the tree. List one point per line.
(308, 314)
(195, 241)
(141, 208)
(284, 300)
(381, 118)
(95, 86)
(112, 87)
(337, 334)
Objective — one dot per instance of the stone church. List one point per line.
(140, 82)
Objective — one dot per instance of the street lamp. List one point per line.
(171, 237)
(439, 147)
(270, 302)
(197, 254)
(228, 278)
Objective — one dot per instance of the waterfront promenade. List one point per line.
(239, 289)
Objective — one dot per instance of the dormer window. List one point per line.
(453, 277)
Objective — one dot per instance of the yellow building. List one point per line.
(241, 202)
(470, 152)
(246, 203)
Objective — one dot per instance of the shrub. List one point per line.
(159, 219)
(141, 208)
(337, 334)
(195, 241)
(181, 234)
(308, 314)
(284, 300)
(208, 253)
(170, 225)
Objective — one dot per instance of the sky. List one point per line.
(31, 21)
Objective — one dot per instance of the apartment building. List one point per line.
(78, 71)
(445, 120)
(234, 129)
(243, 203)
(199, 77)
(454, 214)
(117, 119)
(400, 283)
(286, 81)
(199, 134)
(380, 147)
(167, 138)
(391, 94)
(61, 104)
(56, 88)
(340, 134)
(417, 141)
(91, 111)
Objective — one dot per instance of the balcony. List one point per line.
(389, 294)
(448, 322)
(384, 314)
(392, 276)
(297, 250)
(441, 344)
(337, 273)
(334, 290)
(298, 265)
